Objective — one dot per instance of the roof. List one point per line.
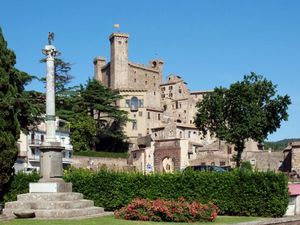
(141, 66)
(294, 189)
(200, 92)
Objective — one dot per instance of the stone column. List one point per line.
(51, 169)
(50, 53)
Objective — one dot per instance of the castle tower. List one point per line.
(99, 63)
(119, 60)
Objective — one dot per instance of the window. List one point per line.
(148, 115)
(162, 95)
(140, 113)
(212, 163)
(141, 103)
(127, 103)
(134, 80)
(134, 104)
(163, 89)
(189, 134)
(222, 163)
(134, 125)
(170, 95)
(158, 116)
(146, 82)
(42, 138)
(179, 91)
(170, 87)
(32, 138)
(229, 150)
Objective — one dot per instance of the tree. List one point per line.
(14, 113)
(101, 105)
(247, 110)
(96, 122)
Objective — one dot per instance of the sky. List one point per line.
(208, 43)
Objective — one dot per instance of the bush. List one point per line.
(102, 154)
(235, 193)
(19, 184)
(246, 165)
(168, 211)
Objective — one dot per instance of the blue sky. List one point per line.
(209, 43)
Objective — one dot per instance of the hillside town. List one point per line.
(161, 130)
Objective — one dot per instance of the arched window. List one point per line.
(134, 104)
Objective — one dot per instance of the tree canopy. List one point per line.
(248, 109)
(96, 121)
(16, 110)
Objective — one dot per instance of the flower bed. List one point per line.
(169, 211)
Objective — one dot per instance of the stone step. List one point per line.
(67, 196)
(83, 203)
(60, 213)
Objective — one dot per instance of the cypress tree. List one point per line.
(12, 83)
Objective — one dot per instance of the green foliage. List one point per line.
(246, 165)
(19, 184)
(15, 112)
(279, 145)
(249, 109)
(96, 121)
(235, 193)
(83, 130)
(168, 210)
(102, 154)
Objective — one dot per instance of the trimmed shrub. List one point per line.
(168, 211)
(19, 184)
(235, 193)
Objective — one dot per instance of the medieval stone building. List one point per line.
(162, 134)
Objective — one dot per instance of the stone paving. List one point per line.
(294, 220)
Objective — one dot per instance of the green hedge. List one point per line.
(103, 154)
(18, 184)
(235, 193)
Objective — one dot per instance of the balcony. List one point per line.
(34, 158)
(35, 142)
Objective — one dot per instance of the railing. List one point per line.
(34, 157)
(35, 142)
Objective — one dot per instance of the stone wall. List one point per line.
(95, 163)
(264, 160)
(295, 156)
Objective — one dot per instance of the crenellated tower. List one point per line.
(119, 61)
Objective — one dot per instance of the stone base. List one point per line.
(50, 187)
(52, 205)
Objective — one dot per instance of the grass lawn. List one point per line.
(110, 220)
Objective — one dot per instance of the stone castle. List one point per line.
(162, 134)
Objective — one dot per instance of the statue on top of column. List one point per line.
(50, 37)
